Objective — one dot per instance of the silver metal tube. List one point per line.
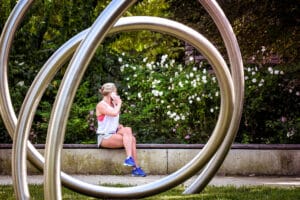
(237, 69)
(223, 75)
(214, 151)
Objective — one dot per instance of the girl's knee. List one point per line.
(127, 130)
(133, 139)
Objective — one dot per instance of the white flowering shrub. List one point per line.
(271, 111)
(167, 102)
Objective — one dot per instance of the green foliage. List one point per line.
(256, 23)
(271, 109)
(167, 102)
(159, 97)
(147, 43)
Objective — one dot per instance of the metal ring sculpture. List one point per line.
(82, 47)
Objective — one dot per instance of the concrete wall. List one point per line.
(239, 161)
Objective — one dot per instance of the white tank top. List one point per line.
(107, 124)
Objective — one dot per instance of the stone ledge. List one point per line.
(174, 146)
(268, 160)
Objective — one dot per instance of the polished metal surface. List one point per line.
(84, 46)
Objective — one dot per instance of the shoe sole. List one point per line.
(128, 165)
(133, 175)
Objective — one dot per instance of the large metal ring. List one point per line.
(59, 57)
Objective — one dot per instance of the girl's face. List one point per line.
(114, 94)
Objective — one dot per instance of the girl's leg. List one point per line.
(129, 143)
(115, 141)
(134, 154)
(127, 139)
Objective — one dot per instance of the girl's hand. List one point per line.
(115, 99)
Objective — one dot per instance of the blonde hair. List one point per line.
(107, 88)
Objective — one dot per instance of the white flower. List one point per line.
(172, 62)
(253, 73)
(276, 72)
(194, 69)
(263, 48)
(120, 59)
(180, 68)
(214, 79)
(180, 84)
(211, 110)
(217, 94)
(204, 71)
(270, 69)
(149, 66)
(182, 117)
(281, 72)
(254, 80)
(145, 59)
(21, 83)
(201, 64)
(123, 53)
(191, 58)
(198, 99)
(190, 101)
(191, 74)
(297, 93)
(155, 92)
(194, 83)
(140, 95)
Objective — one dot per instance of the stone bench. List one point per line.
(243, 159)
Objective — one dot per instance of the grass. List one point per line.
(209, 193)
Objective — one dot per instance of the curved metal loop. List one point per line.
(236, 63)
(214, 151)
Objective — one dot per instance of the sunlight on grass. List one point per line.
(209, 193)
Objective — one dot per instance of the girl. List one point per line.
(111, 134)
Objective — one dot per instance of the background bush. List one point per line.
(165, 99)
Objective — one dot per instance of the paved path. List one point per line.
(216, 181)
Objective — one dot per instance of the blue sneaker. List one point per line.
(129, 162)
(138, 172)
